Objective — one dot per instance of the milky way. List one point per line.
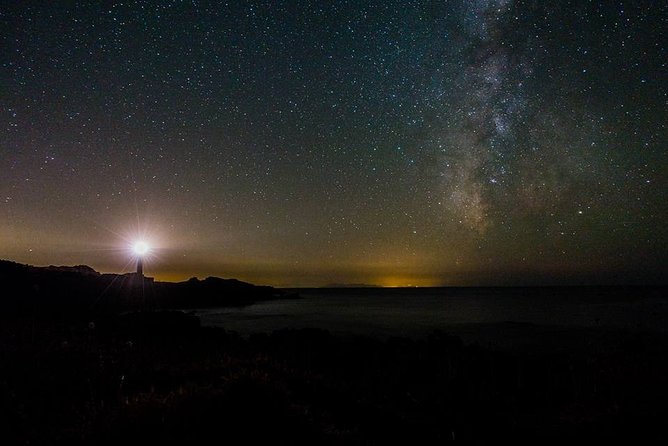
(455, 142)
(503, 151)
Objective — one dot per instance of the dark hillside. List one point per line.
(63, 290)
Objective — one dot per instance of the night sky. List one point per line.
(470, 142)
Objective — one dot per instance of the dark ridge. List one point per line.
(71, 290)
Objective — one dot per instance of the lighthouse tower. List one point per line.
(141, 249)
(140, 267)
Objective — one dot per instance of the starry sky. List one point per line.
(304, 143)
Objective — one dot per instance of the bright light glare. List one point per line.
(141, 248)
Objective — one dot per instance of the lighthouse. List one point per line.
(141, 249)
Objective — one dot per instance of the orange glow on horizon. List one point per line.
(407, 282)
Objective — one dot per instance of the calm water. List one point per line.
(475, 314)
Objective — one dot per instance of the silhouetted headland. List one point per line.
(73, 289)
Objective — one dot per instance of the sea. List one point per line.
(504, 317)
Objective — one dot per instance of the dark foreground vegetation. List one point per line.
(158, 377)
